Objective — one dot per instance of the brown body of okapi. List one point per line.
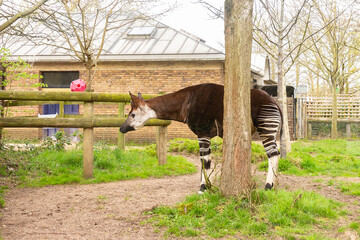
(201, 108)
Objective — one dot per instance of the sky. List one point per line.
(195, 19)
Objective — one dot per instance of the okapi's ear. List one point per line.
(134, 100)
(140, 97)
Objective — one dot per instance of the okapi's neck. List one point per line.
(170, 106)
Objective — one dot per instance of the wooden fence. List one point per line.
(87, 121)
(319, 109)
(348, 107)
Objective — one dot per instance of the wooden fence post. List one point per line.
(161, 148)
(304, 123)
(121, 137)
(88, 142)
(309, 131)
(61, 112)
(348, 130)
(298, 118)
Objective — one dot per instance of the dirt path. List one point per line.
(114, 210)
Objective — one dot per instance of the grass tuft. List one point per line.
(280, 213)
(2, 192)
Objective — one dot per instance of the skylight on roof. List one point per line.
(142, 32)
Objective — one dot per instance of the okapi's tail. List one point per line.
(282, 121)
(256, 86)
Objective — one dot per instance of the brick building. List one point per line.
(146, 56)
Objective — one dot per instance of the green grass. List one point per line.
(291, 215)
(355, 226)
(325, 157)
(45, 167)
(2, 192)
(348, 188)
(184, 145)
(192, 147)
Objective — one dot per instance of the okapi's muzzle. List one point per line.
(125, 129)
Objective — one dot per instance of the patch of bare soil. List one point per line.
(114, 210)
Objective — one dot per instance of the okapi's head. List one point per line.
(139, 114)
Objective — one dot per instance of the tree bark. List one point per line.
(2, 102)
(235, 172)
(334, 113)
(281, 91)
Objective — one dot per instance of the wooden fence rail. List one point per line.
(88, 121)
(26, 122)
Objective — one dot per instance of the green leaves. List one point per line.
(17, 71)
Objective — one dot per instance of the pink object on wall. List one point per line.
(78, 85)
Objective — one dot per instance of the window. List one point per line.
(55, 108)
(59, 79)
(142, 32)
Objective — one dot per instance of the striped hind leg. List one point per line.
(269, 120)
(204, 144)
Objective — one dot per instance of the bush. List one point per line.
(57, 144)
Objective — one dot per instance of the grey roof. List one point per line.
(141, 40)
(147, 40)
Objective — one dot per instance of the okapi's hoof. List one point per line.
(202, 189)
(269, 186)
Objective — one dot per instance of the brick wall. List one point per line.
(151, 78)
(122, 77)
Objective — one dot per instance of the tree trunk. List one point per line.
(297, 76)
(281, 91)
(2, 103)
(88, 157)
(235, 172)
(334, 113)
(88, 76)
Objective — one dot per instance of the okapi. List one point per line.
(201, 107)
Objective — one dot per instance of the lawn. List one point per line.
(263, 215)
(334, 158)
(38, 166)
(325, 157)
(268, 214)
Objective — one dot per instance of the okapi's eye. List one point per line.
(133, 115)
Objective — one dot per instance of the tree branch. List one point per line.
(21, 14)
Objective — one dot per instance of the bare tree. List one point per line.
(333, 54)
(10, 11)
(235, 172)
(274, 25)
(79, 28)
(215, 12)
